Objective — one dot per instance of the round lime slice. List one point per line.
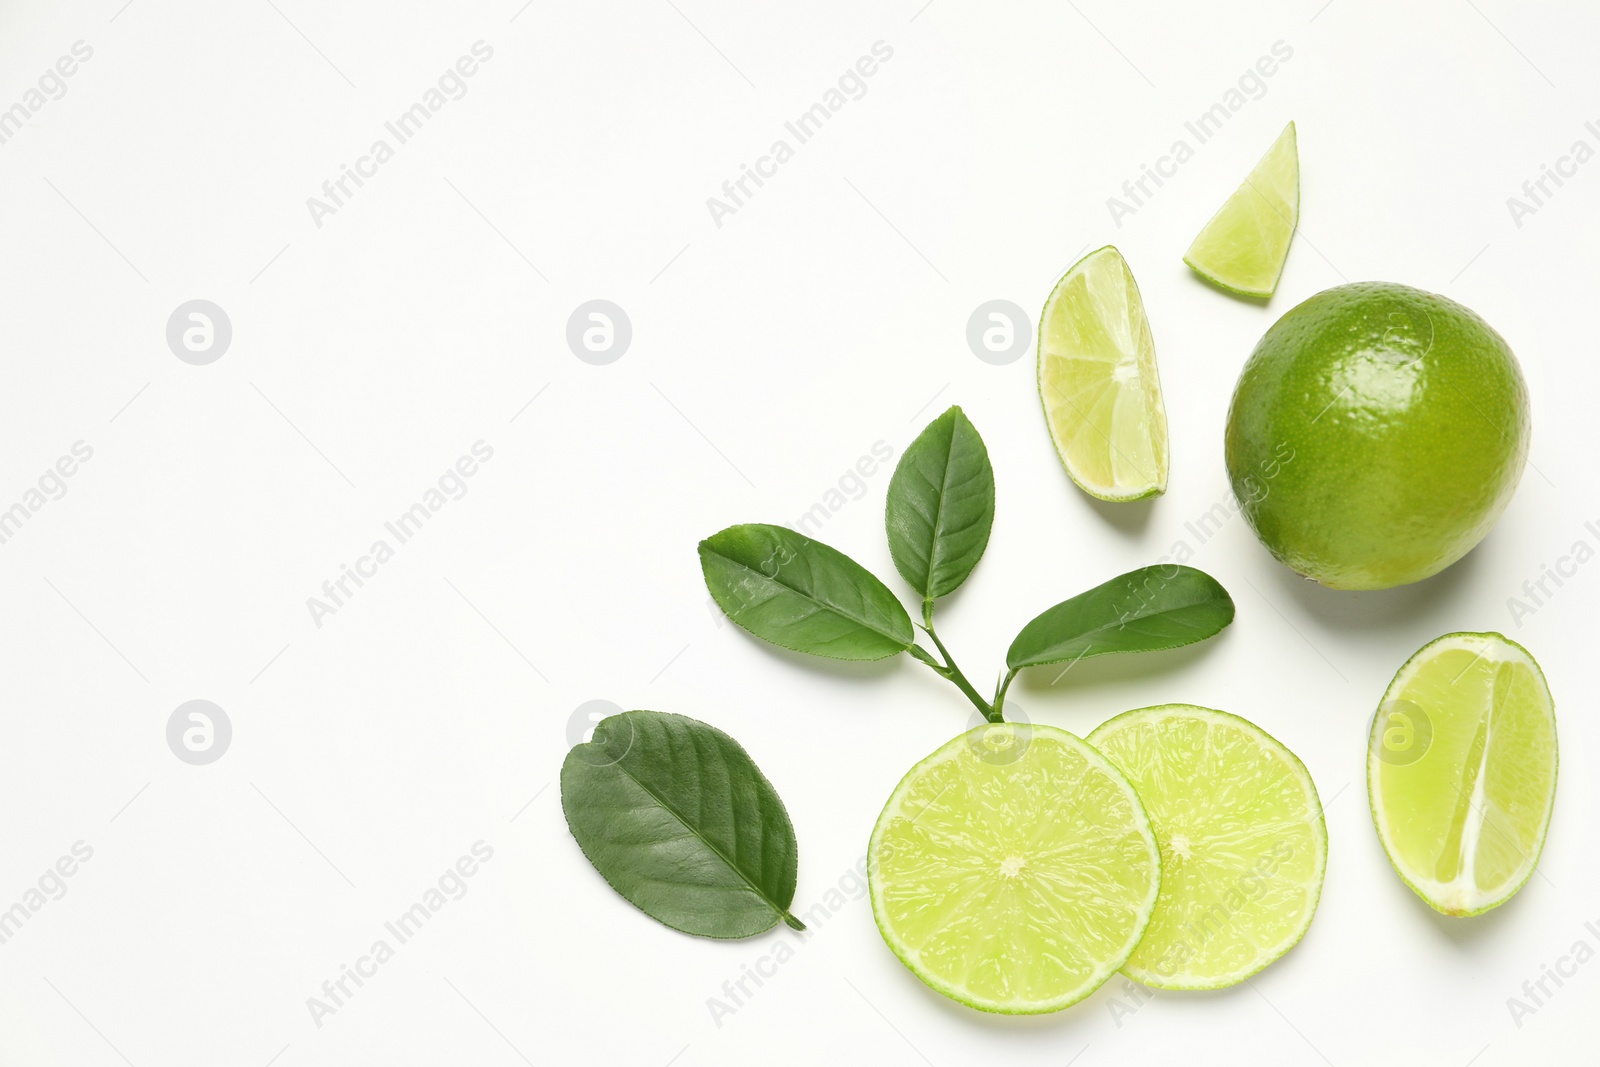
(1014, 869)
(1244, 246)
(1461, 771)
(1243, 843)
(1098, 381)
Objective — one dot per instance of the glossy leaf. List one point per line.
(680, 821)
(941, 505)
(788, 589)
(1158, 607)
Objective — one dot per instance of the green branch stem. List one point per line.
(948, 669)
(1000, 693)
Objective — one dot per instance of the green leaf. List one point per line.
(680, 821)
(801, 594)
(1158, 607)
(941, 505)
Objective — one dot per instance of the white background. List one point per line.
(769, 354)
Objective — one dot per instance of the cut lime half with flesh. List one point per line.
(1244, 246)
(1098, 381)
(1014, 869)
(1243, 842)
(1461, 771)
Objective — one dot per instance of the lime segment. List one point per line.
(1014, 869)
(1243, 843)
(1098, 381)
(1244, 246)
(1461, 771)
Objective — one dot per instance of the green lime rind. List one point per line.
(1422, 887)
(1224, 286)
(1244, 246)
(1376, 434)
(991, 869)
(1190, 906)
(1154, 482)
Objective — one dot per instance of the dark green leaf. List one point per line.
(1153, 608)
(682, 823)
(941, 505)
(801, 594)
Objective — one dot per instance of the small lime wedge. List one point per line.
(1243, 843)
(1014, 869)
(1098, 381)
(1461, 771)
(1243, 247)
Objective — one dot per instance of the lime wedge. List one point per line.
(1013, 870)
(1461, 771)
(1243, 247)
(1243, 843)
(1098, 381)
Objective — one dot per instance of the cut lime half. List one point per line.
(1461, 771)
(1244, 246)
(1014, 869)
(1243, 843)
(1098, 381)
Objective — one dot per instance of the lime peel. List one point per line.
(1376, 434)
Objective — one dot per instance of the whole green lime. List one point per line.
(1376, 434)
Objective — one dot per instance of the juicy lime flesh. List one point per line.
(1098, 381)
(1014, 869)
(1376, 434)
(1244, 246)
(1243, 843)
(1461, 771)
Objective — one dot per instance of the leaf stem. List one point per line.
(1000, 693)
(794, 923)
(922, 654)
(949, 669)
